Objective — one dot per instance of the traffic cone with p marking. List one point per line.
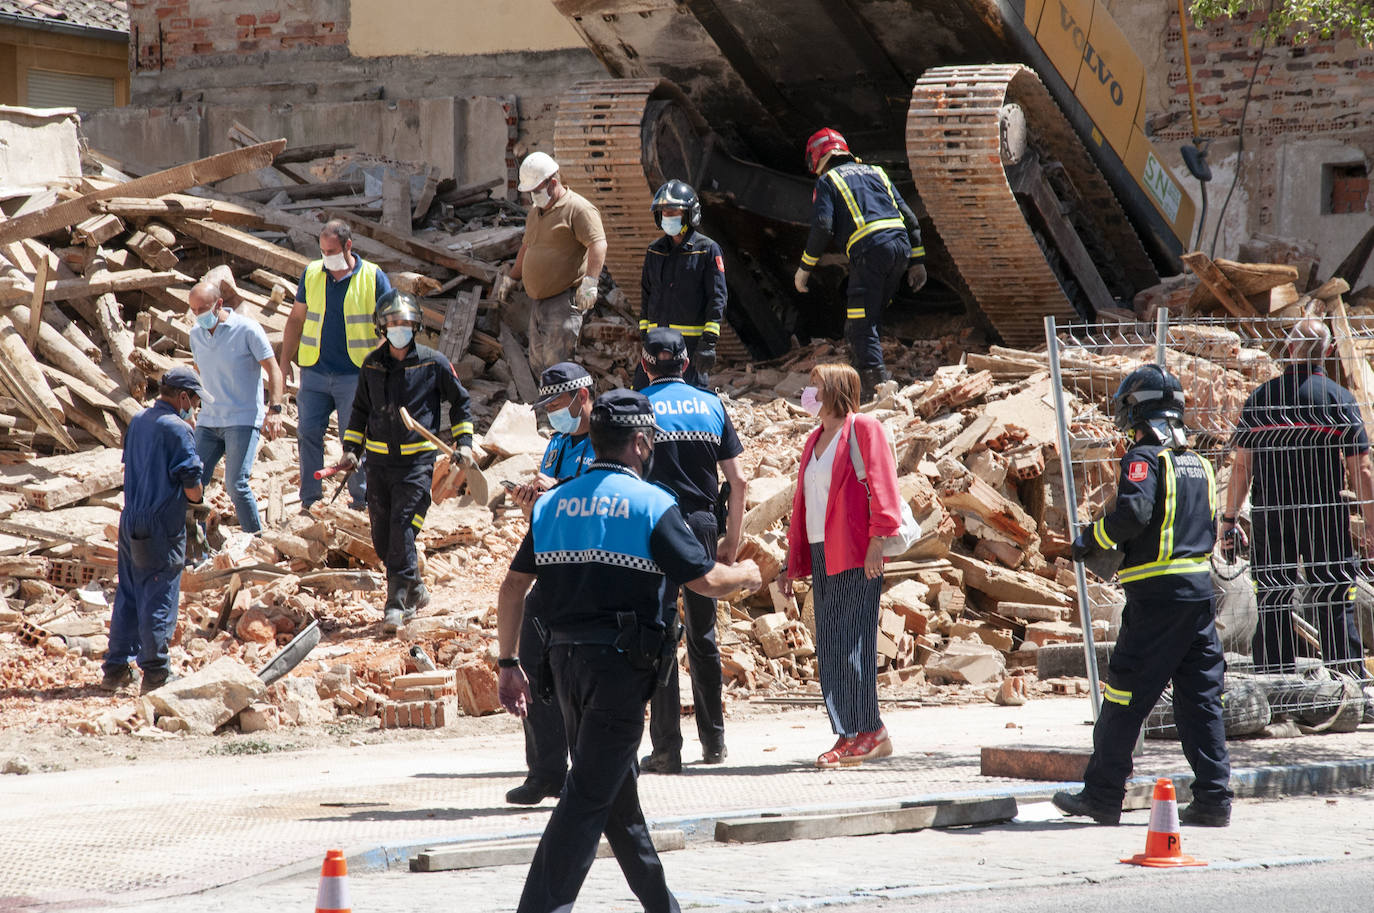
(1163, 844)
(333, 894)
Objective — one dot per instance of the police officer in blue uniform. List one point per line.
(857, 203)
(161, 476)
(695, 436)
(565, 393)
(682, 285)
(400, 463)
(609, 544)
(1299, 438)
(1162, 525)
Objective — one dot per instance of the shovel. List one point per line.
(477, 482)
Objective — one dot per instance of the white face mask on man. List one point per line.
(541, 198)
(336, 263)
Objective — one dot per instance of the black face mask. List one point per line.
(647, 466)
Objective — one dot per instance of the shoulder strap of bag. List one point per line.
(856, 456)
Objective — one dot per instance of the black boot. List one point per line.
(393, 610)
(1079, 804)
(416, 598)
(869, 378)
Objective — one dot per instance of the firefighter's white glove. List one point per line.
(801, 278)
(586, 294)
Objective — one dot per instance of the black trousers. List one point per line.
(397, 499)
(1320, 538)
(875, 271)
(546, 742)
(603, 700)
(1160, 641)
(703, 657)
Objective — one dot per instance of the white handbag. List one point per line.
(909, 532)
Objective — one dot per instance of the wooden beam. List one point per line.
(179, 205)
(1217, 283)
(1359, 377)
(120, 340)
(19, 372)
(100, 283)
(202, 171)
(420, 249)
(244, 246)
(40, 285)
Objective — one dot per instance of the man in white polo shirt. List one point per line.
(231, 352)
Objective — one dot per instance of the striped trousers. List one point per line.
(847, 644)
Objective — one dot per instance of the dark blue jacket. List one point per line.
(858, 204)
(683, 286)
(421, 381)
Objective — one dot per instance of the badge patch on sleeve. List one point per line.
(1137, 470)
(720, 263)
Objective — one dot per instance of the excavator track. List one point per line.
(599, 144)
(953, 140)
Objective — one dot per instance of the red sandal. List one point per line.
(833, 757)
(867, 746)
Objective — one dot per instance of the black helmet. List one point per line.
(396, 303)
(677, 195)
(1148, 394)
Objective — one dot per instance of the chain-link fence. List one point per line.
(1285, 428)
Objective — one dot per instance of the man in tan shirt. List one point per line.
(560, 261)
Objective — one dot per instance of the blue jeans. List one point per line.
(238, 444)
(322, 395)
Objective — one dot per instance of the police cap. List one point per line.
(185, 378)
(623, 409)
(664, 348)
(564, 377)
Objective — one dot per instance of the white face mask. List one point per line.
(541, 198)
(672, 226)
(810, 401)
(399, 337)
(336, 263)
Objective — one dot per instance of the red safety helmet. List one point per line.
(822, 143)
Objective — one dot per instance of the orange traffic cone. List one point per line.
(333, 893)
(1163, 845)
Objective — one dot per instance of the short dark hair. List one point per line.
(338, 230)
(611, 440)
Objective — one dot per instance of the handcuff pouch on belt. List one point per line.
(543, 684)
(648, 648)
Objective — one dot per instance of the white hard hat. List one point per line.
(537, 168)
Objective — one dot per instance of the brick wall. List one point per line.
(171, 34)
(1324, 87)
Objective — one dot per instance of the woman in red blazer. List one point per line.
(835, 538)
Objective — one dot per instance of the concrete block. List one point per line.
(1024, 763)
(38, 146)
(971, 662)
(951, 813)
(481, 854)
(207, 699)
(259, 717)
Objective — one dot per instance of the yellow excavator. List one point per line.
(1014, 127)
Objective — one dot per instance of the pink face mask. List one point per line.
(810, 401)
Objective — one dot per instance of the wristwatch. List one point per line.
(275, 408)
(508, 662)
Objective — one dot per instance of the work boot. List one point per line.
(114, 679)
(532, 792)
(416, 598)
(869, 378)
(1080, 804)
(1205, 814)
(714, 755)
(393, 610)
(661, 762)
(155, 680)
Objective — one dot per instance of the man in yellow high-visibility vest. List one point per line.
(329, 333)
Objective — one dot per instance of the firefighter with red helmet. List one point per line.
(858, 204)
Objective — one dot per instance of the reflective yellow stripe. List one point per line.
(918, 252)
(1160, 568)
(418, 521)
(644, 325)
(808, 260)
(1100, 534)
(687, 329)
(416, 447)
(711, 327)
(855, 313)
(1166, 530)
(870, 228)
(375, 446)
(1116, 695)
(848, 195)
(1350, 594)
(462, 428)
(353, 437)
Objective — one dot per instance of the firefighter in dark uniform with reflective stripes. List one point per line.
(565, 393)
(682, 286)
(400, 463)
(1162, 524)
(857, 203)
(610, 545)
(695, 437)
(1299, 437)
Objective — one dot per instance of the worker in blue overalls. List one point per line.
(400, 462)
(565, 394)
(610, 545)
(682, 285)
(161, 476)
(857, 203)
(1162, 524)
(695, 437)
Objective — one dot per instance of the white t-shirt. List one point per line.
(816, 486)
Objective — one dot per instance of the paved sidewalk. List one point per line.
(132, 834)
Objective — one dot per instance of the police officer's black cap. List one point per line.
(564, 377)
(623, 409)
(664, 347)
